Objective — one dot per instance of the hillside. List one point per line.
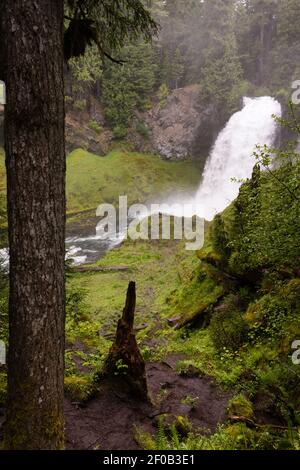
(228, 315)
(92, 180)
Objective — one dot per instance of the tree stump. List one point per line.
(124, 357)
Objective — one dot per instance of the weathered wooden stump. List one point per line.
(124, 357)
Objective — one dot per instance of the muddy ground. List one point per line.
(108, 421)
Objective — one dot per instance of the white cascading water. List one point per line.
(232, 155)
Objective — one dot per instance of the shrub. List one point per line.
(95, 126)
(76, 305)
(240, 406)
(143, 130)
(80, 388)
(220, 241)
(80, 105)
(228, 328)
(272, 314)
(163, 94)
(120, 132)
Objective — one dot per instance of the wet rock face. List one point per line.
(182, 128)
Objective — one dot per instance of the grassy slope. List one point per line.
(250, 356)
(157, 268)
(92, 180)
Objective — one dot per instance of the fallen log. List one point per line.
(94, 269)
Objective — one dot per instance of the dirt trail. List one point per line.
(107, 422)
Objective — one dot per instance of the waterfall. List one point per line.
(232, 154)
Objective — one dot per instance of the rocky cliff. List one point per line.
(183, 127)
(179, 129)
(86, 129)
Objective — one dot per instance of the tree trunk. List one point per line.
(32, 57)
(124, 357)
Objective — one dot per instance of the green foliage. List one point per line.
(76, 304)
(267, 216)
(87, 68)
(68, 99)
(222, 74)
(199, 42)
(95, 126)
(240, 406)
(219, 237)
(273, 315)
(143, 129)
(80, 105)
(252, 250)
(80, 388)
(78, 324)
(163, 94)
(92, 180)
(228, 328)
(191, 401)
(231, 437)
(128, 87)
(121, 368)
(108, 24)
(120, 132)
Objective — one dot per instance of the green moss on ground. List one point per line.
(80, 388)
(92, 180)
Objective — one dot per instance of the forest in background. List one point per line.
(231, 48)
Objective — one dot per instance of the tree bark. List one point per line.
(124, 356)
(32, 62)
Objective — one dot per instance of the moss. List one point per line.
(170, 423)
(95, 126)
(240, 406)
(144, 439)
(23, 432)
(275, 315)
(92, 180)
(183, 425)
(291, 291)
(3, 387)
(80, 387)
